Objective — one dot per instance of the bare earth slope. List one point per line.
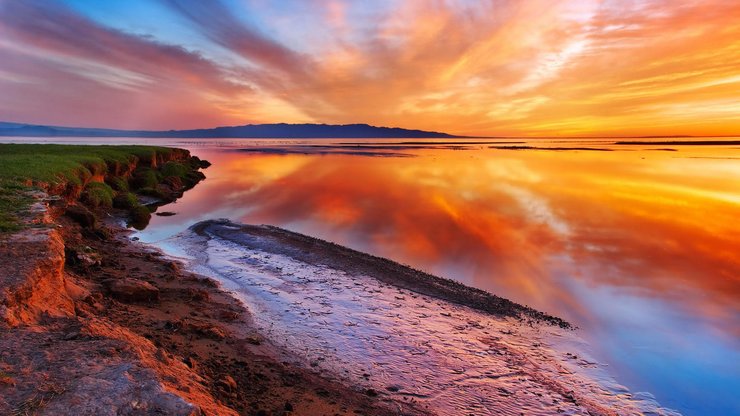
(92, 323)
(72, 344)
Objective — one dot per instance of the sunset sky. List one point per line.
(498, 67)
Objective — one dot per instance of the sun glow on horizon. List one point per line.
(499, 67)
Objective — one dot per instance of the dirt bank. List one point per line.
(94, 324)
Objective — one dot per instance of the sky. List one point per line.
(477, 67)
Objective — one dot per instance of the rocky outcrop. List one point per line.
(91, 324)
(55, 357)
(88, 366)
(32, 281)
(132, 290)
(81, 215)
(93, 368)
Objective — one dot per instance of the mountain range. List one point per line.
(267, 131)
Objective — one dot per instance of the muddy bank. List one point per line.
(167, 342)
(312, 250)
(92, 323)
(410, 337)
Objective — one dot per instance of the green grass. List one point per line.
(174, 169)
(153, 192)
(54, 163)
(140, 216)
(125, 200)
(97, 195)
(25, 166)
(118, 184)
(13, 201)
(145, 178)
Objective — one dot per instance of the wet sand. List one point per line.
(409, 337)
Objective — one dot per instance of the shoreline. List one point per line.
(95, 323)
(372, 323)
(304, 248)
(187, 341)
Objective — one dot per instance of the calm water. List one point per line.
(639, 247)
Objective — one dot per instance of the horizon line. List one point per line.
(460, 136)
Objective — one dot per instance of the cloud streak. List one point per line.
(502, 67)
(68, 69)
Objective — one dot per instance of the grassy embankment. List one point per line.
(75, 171)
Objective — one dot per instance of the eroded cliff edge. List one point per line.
(94, 324)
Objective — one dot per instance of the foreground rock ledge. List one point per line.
(93, 324)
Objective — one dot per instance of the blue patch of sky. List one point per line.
(303, 25)
(148, 19)
(297, 24)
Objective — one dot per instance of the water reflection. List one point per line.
(640, 248)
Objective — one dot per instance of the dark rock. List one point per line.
(197, 295)
(191, 362)
(504, 392)
(83, 257)
(288, 407)
(173, 182)
(208, 282)
(166, 214)
(132, 290)
(568, 396)
(140, 216)
(101, 233)
(228, 316)
(72, 336)
(227, 383)
(371, 393)
(173, 266)
(204, 329)
(81, 215)
(192, 178)
(168, 193)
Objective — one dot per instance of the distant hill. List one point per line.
(268, 131)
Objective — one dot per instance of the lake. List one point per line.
(638, 245)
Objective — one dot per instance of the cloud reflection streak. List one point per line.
(521, 225)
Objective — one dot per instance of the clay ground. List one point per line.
(194, 337)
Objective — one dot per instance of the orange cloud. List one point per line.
(535, 67)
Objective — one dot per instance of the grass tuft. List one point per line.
(24, 167)
(140, 216)
(125, 200)
(174, 169)
(117, 183)
(13, 201)
(54, 163)
(145, 178)
(97, 195)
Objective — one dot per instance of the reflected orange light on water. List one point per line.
(648, 221)
(639, 246)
